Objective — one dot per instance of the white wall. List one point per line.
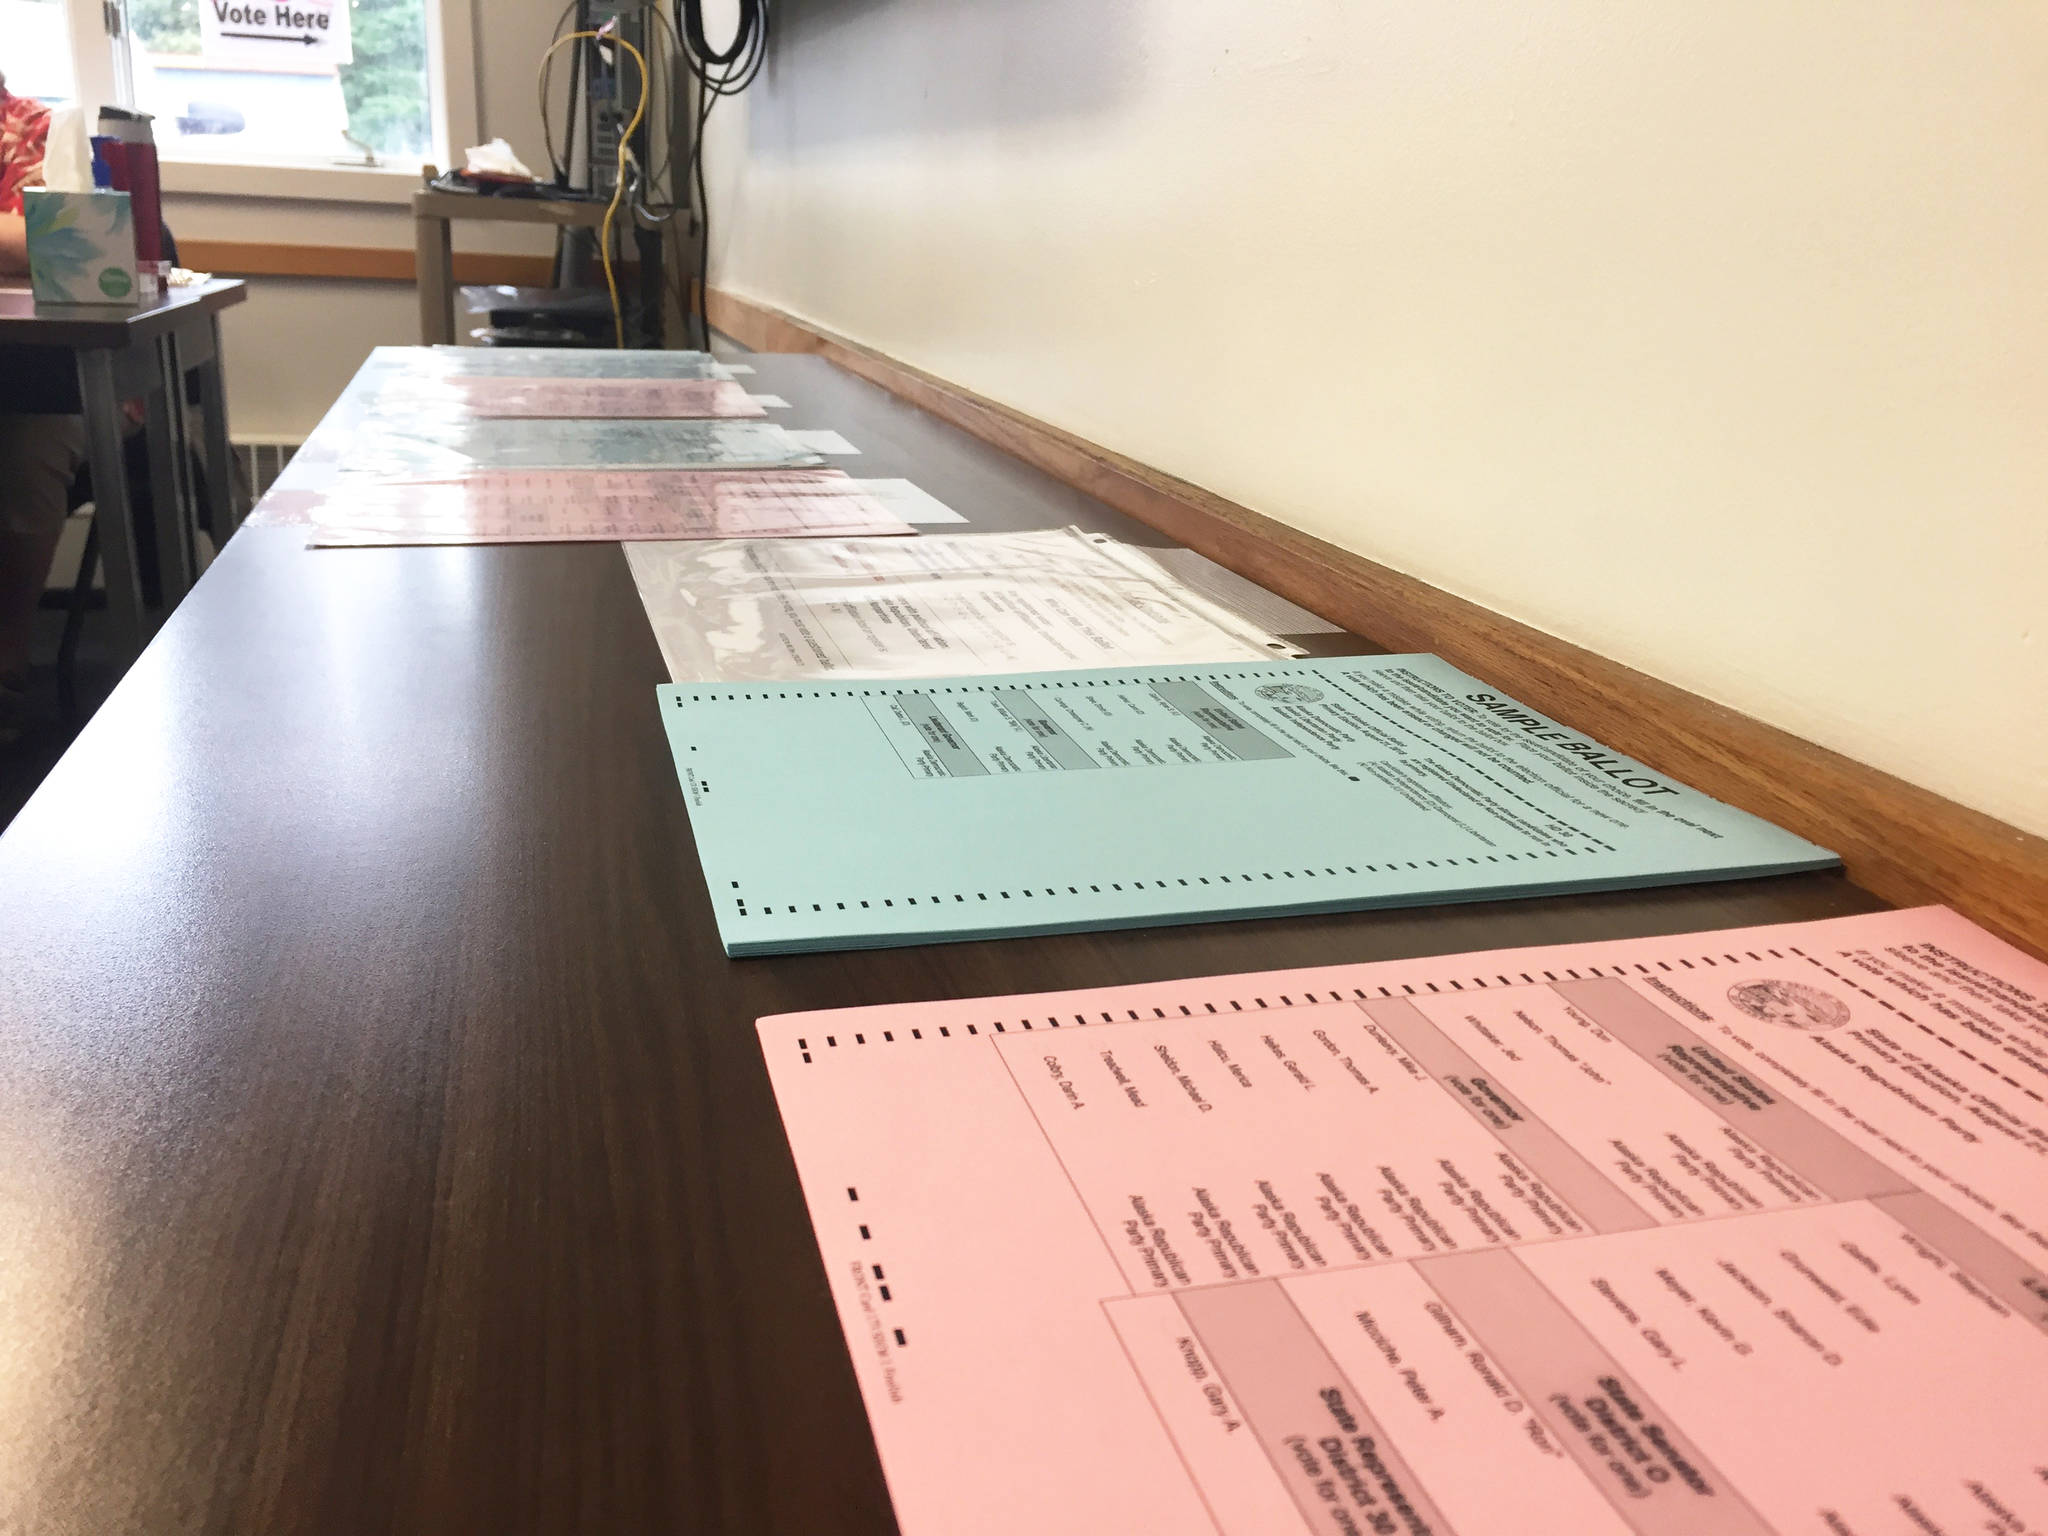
(295, 342)
(1711, 337)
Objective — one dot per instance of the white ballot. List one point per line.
(910, 501)
(823, 441)
(1247, 599)
(746, 610)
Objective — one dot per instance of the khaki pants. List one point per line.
(39, 458)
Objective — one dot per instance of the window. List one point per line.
(36, 56)
(298, 88)
(262, 102)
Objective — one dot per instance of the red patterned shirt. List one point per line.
(24, 129)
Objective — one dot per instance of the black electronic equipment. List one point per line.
(660, 206)
(608, 91)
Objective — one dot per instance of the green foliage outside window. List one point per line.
(166, 26)
(385, 88)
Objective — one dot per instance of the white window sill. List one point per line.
(394, 184)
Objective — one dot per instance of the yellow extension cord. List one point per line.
(619, 181)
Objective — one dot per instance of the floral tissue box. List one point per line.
(81, 247)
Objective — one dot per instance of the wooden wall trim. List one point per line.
(244, 258)
(1903, 843)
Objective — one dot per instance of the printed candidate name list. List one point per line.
(1737, 1232)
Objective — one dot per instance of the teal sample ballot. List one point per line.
(853, 815)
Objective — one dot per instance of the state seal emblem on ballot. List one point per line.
(1791, 1003)
(1289, 693)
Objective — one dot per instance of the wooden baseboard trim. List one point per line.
(244, 258)
(1897, 840)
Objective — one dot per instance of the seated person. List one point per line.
(39, 455)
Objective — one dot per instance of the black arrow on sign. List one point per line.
(272, 37)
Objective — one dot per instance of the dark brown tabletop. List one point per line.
(384, 1142)
(23, 322)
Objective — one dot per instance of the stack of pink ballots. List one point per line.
(601, 501)
(574, 505)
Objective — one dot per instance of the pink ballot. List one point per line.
(482, 395)
(554, 506)
(1736, 1232)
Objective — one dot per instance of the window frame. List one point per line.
(99, 58)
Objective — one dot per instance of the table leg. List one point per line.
(222, 512)
(104, 430)
(169, 492)
(434, 263)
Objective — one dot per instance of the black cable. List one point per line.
(701, 307)
(668, 82)
(711, 91)
(652, 206)
(759, 55)
(747, 34)
(547, 132)
(718, 73)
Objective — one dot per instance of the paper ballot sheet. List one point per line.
(1717, 1235)
(998, 602)
(552, 506)
(910, 501)
(489, 395)
(824, 440)
(978, 807)
(397, 443)
(1246, 598)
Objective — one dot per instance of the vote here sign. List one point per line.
(276, 31)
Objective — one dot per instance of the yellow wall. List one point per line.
(1712, 337)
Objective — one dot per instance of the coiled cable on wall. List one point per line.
(719, 72)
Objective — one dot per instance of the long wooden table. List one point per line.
(384, 1143)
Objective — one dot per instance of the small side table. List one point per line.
(121, 353)
(433, 212)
